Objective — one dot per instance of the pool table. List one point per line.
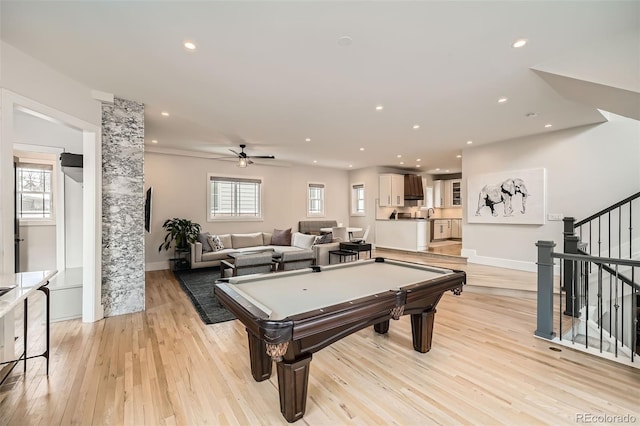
(291, 315)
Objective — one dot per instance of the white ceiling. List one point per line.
(271, 74)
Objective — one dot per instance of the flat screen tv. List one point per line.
(147, 210)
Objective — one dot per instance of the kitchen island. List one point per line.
(402, 234)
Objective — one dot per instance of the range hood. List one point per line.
(72, 165)
(413, 188)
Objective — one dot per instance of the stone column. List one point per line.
(123, 283)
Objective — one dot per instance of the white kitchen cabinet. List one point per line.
(447, 193)
(441, 229)
(438, 193)
(454, 192)
(410, 235)
(391, 190)
(456, 228)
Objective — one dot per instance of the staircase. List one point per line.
(599, 299)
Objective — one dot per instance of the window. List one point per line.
(234, 198)
(357, 199)
(34, 191)
(315, 199)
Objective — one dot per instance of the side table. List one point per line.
(181, 259)
(356, 247)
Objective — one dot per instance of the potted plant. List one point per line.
(183, 231)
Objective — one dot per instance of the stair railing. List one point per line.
(623, 297)
(606, 229)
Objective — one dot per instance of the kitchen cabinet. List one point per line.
(456, 228)
(438, 193)
(447, 193)
(455, 193)
(391, 190)
(410, 235)
(441, 229)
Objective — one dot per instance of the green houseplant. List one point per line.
(182, 231)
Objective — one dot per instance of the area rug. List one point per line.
(198, 284)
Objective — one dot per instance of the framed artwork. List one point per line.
(511, 197)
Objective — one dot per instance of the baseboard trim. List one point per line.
(518, 265)
(156, 266)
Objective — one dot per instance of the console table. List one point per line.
(16, 289)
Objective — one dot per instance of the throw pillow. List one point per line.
(281, 237)
(302, 241)
(324, 238)
(215, 243)
(203, 239)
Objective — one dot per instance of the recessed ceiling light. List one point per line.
(402, 162)
(458, 156)
(416, 126)
(164, 113)
(154, 141)
(519, 43)
(189, 45)
(345, 41)
(502, 100)
(399, 156)
(308, 140)
(469, 142)
(350, 165)
(315, 161)
(417, 165)
(361, 149)
(419, 159)
(447, 171)
(379, 107)
(548, 125)
(437, 170)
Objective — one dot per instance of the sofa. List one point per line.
(301, 253)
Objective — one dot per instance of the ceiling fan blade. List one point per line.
(249, 161)
(261, 156)
(236, 153)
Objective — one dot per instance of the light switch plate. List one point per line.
(555, 216)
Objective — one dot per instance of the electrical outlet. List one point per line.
(555, 216)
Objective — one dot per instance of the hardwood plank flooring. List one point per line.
(165, 367)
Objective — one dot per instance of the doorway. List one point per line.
(14, 107)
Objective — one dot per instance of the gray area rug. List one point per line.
(198, 284)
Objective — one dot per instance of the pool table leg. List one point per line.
(422, 330)
(293, 380)
(381, 327)
(261, 363)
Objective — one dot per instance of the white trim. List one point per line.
(92, 309)
(353, 212)
(157, 266)
(322, 200)
(59, 205)
(519, 265)
(233, 218)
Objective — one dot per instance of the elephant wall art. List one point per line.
(515, 197)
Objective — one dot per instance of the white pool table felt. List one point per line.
(282, 295)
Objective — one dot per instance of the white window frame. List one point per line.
(355, 188)
(213, 176)
(43, 159)
(322, 199)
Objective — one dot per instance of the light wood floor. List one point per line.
(164, 366)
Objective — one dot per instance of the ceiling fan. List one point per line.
(244, 160)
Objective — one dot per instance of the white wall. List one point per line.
(180, 190)
(28, 77)
(588, 169)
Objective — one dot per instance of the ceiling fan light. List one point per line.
(242, 162)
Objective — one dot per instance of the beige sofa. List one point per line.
(258, 241)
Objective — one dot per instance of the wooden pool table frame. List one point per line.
(290, 342)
